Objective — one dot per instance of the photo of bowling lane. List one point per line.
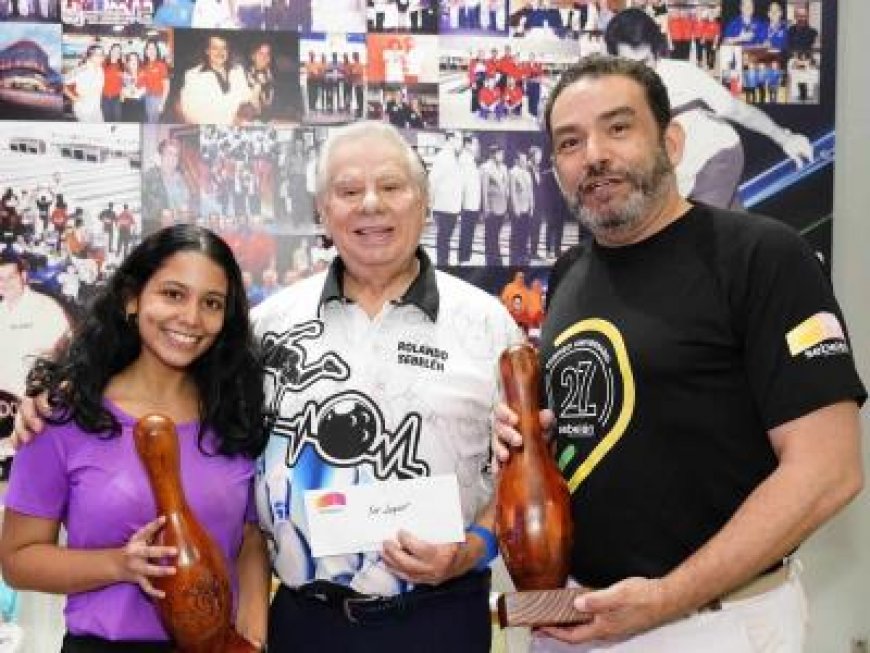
(70, 202)
(30, 79)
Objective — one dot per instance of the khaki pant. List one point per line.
(772, 622)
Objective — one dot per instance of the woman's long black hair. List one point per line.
(228, 376)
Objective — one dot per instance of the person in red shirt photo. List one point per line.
(58, 219)
(680, 33)
(707, 34)
(490, 100)
(513, 98)
(113, 72)
(126, 222)
(155, 75)
(507, 67)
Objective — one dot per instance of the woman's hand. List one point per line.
(138, 555)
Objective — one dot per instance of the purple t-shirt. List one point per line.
(99, 490)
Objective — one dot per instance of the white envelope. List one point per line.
(356, 518)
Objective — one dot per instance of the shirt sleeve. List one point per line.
(39, 483)
(797, 350)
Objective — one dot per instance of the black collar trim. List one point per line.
(423, 292)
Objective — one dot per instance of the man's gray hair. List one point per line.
(369, 129)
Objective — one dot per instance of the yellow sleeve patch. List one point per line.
(812, 331)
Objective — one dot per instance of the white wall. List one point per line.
(837, 558)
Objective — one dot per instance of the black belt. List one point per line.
(360, 608)
(91, 644)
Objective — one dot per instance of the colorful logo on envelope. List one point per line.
(330, 502)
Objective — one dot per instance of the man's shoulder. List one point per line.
(291, 303)
(745, 222)
(456, 292)
(571, 255)
(564, 264)
(738, 234)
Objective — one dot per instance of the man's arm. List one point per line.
(31, 558)
(796, 146)
(819, 472)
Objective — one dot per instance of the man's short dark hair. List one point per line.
(635, 27)
(596, 66)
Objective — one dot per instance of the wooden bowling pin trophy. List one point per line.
(197, 608)
(533, 509)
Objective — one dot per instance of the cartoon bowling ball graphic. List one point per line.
(348, 427)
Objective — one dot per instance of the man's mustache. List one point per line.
(603, 173)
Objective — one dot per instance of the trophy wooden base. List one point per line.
(540, 608)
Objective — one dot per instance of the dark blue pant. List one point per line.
(458, 622)
(111, 107)
(534, 234)
(491, 234)
(467, 225)
(519, 243)
(445, 223)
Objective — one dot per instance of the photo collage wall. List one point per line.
(121, 116)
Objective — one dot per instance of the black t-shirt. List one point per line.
(666, 363)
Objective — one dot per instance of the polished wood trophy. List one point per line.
(197, 608)
(533, 509)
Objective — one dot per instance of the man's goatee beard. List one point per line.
(648, 189)
(611, 221)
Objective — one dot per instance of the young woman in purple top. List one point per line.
(169, 333)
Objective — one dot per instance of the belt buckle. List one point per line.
(348, 604)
